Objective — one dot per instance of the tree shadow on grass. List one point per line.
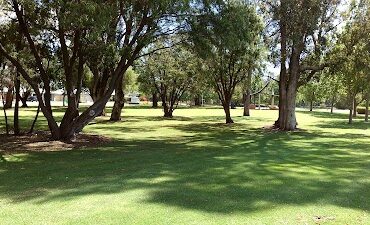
(219, 169)
(343, 124)
(325, 115)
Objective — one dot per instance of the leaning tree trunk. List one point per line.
(99, 86)
(95, 98)
(119, 101)
(34, 120)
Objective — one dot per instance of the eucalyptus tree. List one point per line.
(171, 72)
(66, 29)
(301, 31)
(227, 38)
(311, 93)
(352, 50)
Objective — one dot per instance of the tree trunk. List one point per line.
(367, 109)
(287, 119)
(70, 115)
(198, 100)
(311, 106)
(290, 121)
(247, 95)
(9, 98)
(95, 99)
(5, 115)
(155, 100)
(355, 104)
(16, 107)
(35, 120)
(64, 99)
(24, 98)
(247, 100)
(279, 123)
(332, 105)
(166, 109)
(352, 101)
(100, 83)
(350, 119)
(119, 101)
(167, 112)
(226, 107)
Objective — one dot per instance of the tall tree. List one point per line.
(227, 38)
(171, 72)
(352, 50)
(301, 29)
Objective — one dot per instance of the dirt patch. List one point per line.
(41, 142)
(272, 128)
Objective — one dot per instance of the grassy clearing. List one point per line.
(193, 169)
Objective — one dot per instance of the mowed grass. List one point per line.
(193, 169)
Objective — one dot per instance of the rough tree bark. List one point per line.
(119, 101)
(226, 106)
(279, 123)
(247, 100)
(289, 84)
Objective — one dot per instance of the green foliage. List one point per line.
(352, 53)
(313, 91)
(131, 81)
(169, 72)
(227, 38)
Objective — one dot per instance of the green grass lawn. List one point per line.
(193, 169)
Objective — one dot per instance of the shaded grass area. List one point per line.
(193, 169)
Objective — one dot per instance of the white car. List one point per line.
(134, 100)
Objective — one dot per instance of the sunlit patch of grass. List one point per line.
(194, 169)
